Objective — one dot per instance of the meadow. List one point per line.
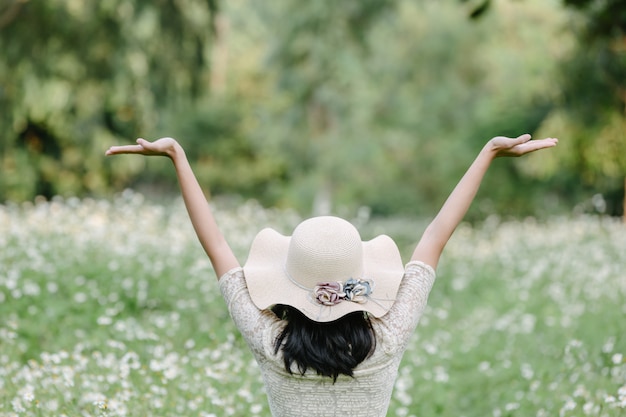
(110, 308)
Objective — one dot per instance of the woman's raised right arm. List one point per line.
(206, 228)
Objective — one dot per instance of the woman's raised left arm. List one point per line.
(440, 230)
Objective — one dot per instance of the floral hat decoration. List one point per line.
(324, 270)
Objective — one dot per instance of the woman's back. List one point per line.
(368, 393)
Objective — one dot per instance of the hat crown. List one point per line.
(324, 249)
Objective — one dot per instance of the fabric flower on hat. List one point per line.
(329, 293)
(357, 290)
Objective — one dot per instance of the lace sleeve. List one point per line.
(250, 321)
(406, 311)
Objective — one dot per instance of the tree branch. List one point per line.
(11, 12)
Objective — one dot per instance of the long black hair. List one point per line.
(331, 349)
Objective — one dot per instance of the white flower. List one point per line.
(17, 405)
(588, 408)
(568, 406)
(511, 406)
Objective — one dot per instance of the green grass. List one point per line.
(110, 308)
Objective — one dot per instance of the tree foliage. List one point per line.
(78, 76)
(591, 110)
(317, 104)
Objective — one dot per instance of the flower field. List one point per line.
(110, 308)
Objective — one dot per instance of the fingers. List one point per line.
(521, 145)
(141, 146)
(545, 143)
(538, 144)
(116, 150)
(526, 139)
(508, 142)
(550, 142)
(142, 142)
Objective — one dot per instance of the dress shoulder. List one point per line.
(402, 319)
(249, 319)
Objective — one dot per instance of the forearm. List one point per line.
(453, 210)
(441, 228)
(459, 201)
(201, 216)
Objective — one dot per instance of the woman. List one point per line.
(327, 316)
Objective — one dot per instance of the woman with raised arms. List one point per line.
(327, 315)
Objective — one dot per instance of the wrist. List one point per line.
(176, 152)
(489, 151)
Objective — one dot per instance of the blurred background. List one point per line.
(317, 105)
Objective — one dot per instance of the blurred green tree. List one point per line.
(76, 77)
(388, 118)
(381, 103)
(318, 51)
(591, 111)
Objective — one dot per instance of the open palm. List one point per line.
(519, 146)
(160, 147)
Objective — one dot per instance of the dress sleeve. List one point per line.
(410, 303)
(249, 319)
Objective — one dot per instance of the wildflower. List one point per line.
(102, 405)
(29, 396)
(511, 406)
(568, 406)
(526, 371)
(589, 408)
(17, 405)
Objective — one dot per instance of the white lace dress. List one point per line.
(369, 392)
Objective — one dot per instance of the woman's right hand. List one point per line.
(522, 145)
(160, 147)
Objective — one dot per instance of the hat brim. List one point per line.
(269, 284)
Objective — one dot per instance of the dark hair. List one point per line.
(331, 348)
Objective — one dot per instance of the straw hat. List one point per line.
(324, 270)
